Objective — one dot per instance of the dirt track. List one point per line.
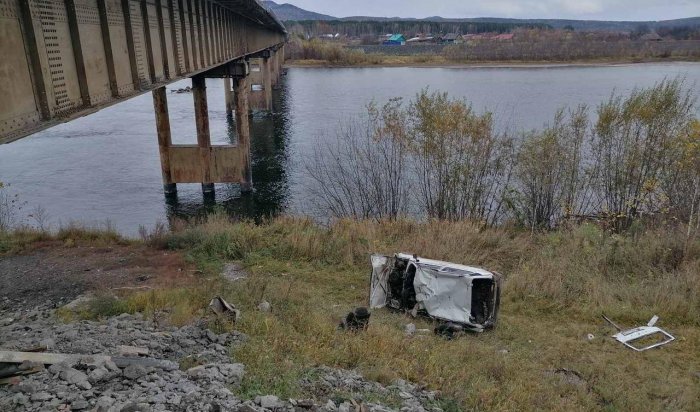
(55, 274)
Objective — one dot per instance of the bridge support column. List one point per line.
(241, 86)
(228, 95)
(274, 68)
(201, 115)
(160, 106)
(267, 82)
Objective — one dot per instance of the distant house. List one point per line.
(395, 40)
(651, 37)
(451, 38)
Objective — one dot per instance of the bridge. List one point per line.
(62, 59)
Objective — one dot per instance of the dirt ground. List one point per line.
(52, 273)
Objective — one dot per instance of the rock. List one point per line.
(410, 329)
(158, 398)
(305, 403)
(24, 387)
(134, 372)
(330, 406)
(132, 351)
(6, 321)
(264, 306)
(41, 397)
(270, 402)
(198, 372)
(98, 374)
(104, 403)
(590, 336)
(233, 372)
(73, 376)
(111, 366)
(136, 407)
(344, 407)
(79, 405)
(48, 343)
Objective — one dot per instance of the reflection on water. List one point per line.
(269, 157)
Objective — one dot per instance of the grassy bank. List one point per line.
(557, 285)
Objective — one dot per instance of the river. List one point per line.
(105, 167)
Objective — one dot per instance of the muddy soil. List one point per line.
(54, 274)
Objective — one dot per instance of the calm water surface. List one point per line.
(105, 167)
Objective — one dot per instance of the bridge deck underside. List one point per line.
(63, 59)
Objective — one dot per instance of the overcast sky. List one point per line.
(560, 9)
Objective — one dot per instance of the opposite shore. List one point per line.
(439, 62)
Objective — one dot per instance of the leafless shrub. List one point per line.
(362, 172)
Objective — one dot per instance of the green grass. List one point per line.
(556, 287)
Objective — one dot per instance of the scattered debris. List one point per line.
(356, 320)
(222, 308)
(647, 337)
(448, 330)
(590, 337)
(453, 293)
(264, 306)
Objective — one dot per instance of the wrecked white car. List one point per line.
(465, 295)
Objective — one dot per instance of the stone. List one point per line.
(24, 387)
(132, 351)
(264, 306)
(270, 402)
(97, 375)
(79, 405)
(330, 406)
(41, 397)
(73, 376)
(344, 407)
(234, 372)
(136, 407)
(134, 372)
(410, 329)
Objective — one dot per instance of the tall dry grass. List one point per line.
(556, 286)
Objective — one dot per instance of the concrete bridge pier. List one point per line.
(242, 108)
(160, 106)
(201, 116)
(205, 163)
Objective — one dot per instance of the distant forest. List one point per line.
(409, 28)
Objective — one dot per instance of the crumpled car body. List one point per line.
(466, 295)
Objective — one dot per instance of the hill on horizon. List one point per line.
(290, 12)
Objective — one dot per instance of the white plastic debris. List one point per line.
(649, 333)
